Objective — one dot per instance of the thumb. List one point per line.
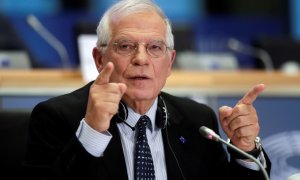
(224, 112)
(122, 88)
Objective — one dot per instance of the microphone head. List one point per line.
(234, 44)
(32, 20)
(208, 133)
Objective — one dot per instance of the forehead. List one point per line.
(142, 25)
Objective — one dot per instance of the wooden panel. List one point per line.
(180, 82)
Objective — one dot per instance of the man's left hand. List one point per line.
(240, 123)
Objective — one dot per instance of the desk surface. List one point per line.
(207, 83)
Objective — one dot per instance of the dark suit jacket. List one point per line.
(54, 152)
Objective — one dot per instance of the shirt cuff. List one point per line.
(93, 141)
(252, 165)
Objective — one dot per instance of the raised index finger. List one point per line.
(105, 74)
(252, 94)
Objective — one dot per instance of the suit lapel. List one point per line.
(174, 140)
(113, 155)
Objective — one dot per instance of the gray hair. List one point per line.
(127, 7)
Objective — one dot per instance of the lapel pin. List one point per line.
(182, 139)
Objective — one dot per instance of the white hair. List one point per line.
(127, 7)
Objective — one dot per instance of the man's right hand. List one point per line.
(104, 99)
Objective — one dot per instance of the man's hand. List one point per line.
(240, 123)
(103, 101)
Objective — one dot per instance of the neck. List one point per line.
(140, 107)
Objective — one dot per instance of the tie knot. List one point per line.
(144, 122)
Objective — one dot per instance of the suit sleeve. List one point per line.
(54, 151)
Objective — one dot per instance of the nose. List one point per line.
(141, 56)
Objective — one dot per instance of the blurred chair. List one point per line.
(9, 38)
(13, 137)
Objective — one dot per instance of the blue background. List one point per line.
(209, 31)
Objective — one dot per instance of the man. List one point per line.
(94, 132)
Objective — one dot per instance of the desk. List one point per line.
(39, 82)
(207, 83)
(278, 107)
(233, 83)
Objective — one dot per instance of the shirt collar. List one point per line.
(133, 117)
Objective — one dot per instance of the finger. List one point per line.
(240, 110)
(252, 94)
(224, 112)
(240, 122)
(122, 88)
(247, 131)
(104, 75)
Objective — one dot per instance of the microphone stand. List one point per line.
(259, 53)
(49, 38)
(246, 155)
(210, 134)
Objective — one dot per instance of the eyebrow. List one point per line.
(127, 39)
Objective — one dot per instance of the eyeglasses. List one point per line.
(154, 48)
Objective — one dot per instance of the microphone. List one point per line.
(37, 26)
(210, 134)
(263, 55)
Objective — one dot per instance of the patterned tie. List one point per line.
(144, 168)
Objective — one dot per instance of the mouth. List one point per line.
(139, 78)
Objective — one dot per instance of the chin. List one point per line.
(141, 94)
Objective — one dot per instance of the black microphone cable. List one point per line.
(173, 153)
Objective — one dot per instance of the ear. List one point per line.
(172, 59)
(97, 55)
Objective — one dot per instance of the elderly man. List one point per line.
(121, 126)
